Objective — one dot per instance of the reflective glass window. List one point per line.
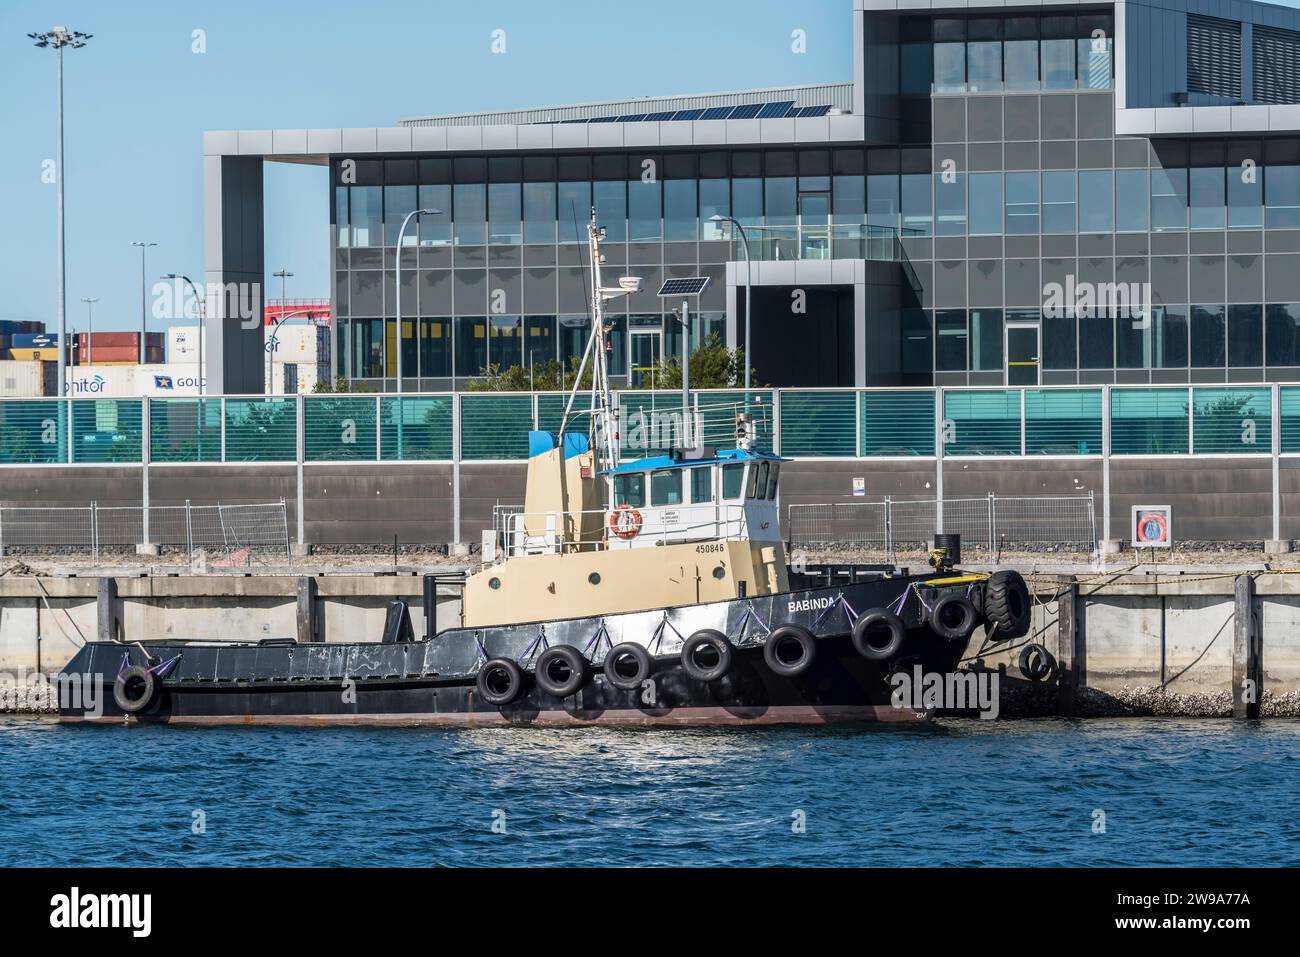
(1131, 199)
(950, 204)
(539, 213)
(1058, 201)
(1283, 334)
(950, 340)
(1208, 337)
(666, 487)
(985, 204)
(1206, 190)
(733, 477)
(1096, 201)
(469, 213)
(1021, 204)
(1245, 336)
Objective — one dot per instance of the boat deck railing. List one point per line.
(551, 533)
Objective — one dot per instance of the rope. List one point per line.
(45, 599)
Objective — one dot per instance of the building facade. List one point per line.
(1039, 194)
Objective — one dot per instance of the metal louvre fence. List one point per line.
(257, 528)
(991, 523)
(844, 423)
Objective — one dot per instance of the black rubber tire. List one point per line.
(953, 616)
(780, 640)
(1007, 606)
(1036, 662)
(867, 629)
(135, 689)
(500, 682)
(617, 658)
(570, 659)
(713, 640)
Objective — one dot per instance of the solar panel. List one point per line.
(687, 114)
(772, 111)
(656, 117)
(747, 112)
(692, 286)
(814, 111)
(717, 113)
(632, 118)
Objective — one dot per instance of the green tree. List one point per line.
(713, 366)
(546, 376)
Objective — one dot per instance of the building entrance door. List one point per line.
(1022, 353)
(647, 349)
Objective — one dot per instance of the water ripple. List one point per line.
(1096, 793)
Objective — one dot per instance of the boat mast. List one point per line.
(604, 419)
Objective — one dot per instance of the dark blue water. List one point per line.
(962, 792)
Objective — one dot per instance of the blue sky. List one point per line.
(137, 101)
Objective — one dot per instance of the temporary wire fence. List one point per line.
(257, 529)
(991, 523)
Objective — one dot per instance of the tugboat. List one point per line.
(646, 592)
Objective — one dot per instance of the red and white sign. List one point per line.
(1152, 526)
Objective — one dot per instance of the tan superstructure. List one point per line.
(563, 560)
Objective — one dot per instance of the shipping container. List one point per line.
(34, 340)
(27, 379)
(133, 380)
(17, 327)
(298, 378)
(183, 344)
(48, 354)
(306, 343)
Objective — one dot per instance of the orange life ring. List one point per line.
(1152, 518)
(625, 522)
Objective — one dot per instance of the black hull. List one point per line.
(433, 682)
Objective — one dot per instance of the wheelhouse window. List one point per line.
(702, 485)
(666, 487)
(733, 481)
(772, 477)
(629, 489)
(753, 480)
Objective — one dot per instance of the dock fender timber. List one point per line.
(627, 665)
(1006, 606)
(953, 616)
(706, 655)
(790, 650)
(878, 634)
(500, 682)
(561, 671)
(135, 689)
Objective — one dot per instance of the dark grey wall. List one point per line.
(1213, 499)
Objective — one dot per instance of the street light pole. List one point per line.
(744, 239)
(400, 233)
(58, 38)
(203, 313)
(90, 322)
(283, 275)
(144, 299)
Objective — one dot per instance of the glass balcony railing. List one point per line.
(826, 241)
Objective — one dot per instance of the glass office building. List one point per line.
(1070, 194)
